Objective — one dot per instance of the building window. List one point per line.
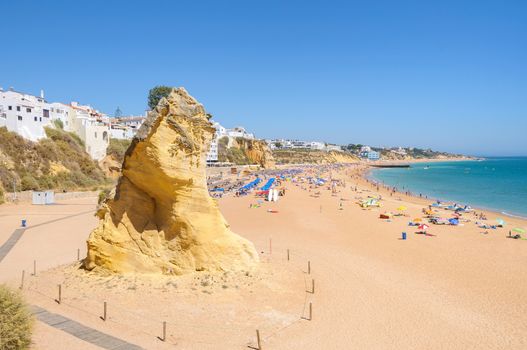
(35, 118)
(10, 108)
(40, 118)
(18, 108)
(95, 135)
(28, 110)
(19, 117)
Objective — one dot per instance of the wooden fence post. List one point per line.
(22, 282)
(258, 341)
(104, 312)
(60, 295)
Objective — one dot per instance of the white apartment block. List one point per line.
(93, 127)
(212, 154)
(60, 111)
(121, 132)
(399, 150)
(333, 148)
(365, 149)
(24, 114)
(125, 127)
(238, 131)
(133, 121)
(317, 145)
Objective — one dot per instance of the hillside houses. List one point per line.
(299, 144)
(28, 115)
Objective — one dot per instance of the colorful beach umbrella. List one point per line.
(423, 227)
(500, 222)
(518, 230)
(402, 208)
(417, 219)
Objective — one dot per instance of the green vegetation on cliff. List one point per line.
(232, 155)
(117, 149)
(57, 162)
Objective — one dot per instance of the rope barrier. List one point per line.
(152, 322)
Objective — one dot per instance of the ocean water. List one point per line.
(499, 184)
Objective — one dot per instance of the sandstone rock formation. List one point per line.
(256, 151)
(110, 166)
(161, 218)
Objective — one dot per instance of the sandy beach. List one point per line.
(455, 288)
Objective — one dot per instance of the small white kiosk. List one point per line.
(43, 197)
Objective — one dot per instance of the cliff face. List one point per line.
(110, 166)
(241, 151)
(162, 219)
(256, 151)
(312, 157)
(56, 162)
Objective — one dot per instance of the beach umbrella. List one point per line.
(423, 227)
(417, 219)
(500, 222)
(518, 230)
(402, 208)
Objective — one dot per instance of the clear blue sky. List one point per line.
(451, 75)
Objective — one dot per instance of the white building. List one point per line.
(238, 131)
(317, 145)
(330, 148)
(121, 132)
(93, 127)
(132, 121)
(125, 127)
(300, 144)
(365, 149)
(24, 114)
(212, 154)
(60, 111)
(373, 155)
(400, 151)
